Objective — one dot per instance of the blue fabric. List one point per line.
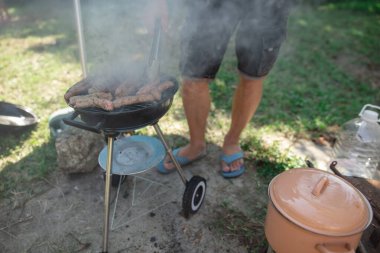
(229, 159)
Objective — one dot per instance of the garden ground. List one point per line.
(328, 69)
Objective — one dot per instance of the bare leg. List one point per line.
(246, 100)
(196, 102)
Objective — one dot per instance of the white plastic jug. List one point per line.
(357, 149)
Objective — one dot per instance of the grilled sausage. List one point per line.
(103, 95)
(128, 100)
(125, 90)
(77, 89)
(94, 102)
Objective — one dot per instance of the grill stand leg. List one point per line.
(107, 194)
(170, 153)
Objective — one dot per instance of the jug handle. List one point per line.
(369, 105)
(322, 248)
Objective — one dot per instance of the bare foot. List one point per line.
(190, 152)
(235, 165)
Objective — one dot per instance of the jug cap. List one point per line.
(370, 116)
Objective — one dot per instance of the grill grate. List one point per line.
(167, 94)
(126, 108)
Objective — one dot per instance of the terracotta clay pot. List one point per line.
(313, 211)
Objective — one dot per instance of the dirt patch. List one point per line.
(360, 68)
(67, 214)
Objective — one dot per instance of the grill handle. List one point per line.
(72, 122)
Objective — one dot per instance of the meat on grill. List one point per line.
(99, 99)
(102, 95)
(124, 90)
(94, 102)
(129, 100)
(78, 88)
(106, 99)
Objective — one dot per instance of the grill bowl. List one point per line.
(129, 117)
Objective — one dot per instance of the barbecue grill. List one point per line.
(195, 187)
(128, 118)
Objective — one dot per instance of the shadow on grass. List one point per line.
(53, 19)
(22, 175)
(9, 139)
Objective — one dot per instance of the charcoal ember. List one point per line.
(78, 150)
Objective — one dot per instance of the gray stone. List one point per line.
(78, 150)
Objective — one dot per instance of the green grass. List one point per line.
(269, 160)
(307, 92)
(365, 6)
(38, 63)
(312, 88)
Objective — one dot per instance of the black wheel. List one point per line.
(194, 195)
(115, 179)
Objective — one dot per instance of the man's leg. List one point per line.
(196, 103)
(246, 100)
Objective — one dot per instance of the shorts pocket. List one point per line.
(270, 48)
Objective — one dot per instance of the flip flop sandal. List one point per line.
(228, 159)
(183, 161)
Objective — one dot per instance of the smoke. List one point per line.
(118, 37)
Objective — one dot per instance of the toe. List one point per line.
(168, 164)
(225, 167)
(236, 165)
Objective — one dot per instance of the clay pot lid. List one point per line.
(320, 202)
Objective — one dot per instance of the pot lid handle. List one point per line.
(320, 186)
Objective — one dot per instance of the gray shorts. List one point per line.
(260, 27)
